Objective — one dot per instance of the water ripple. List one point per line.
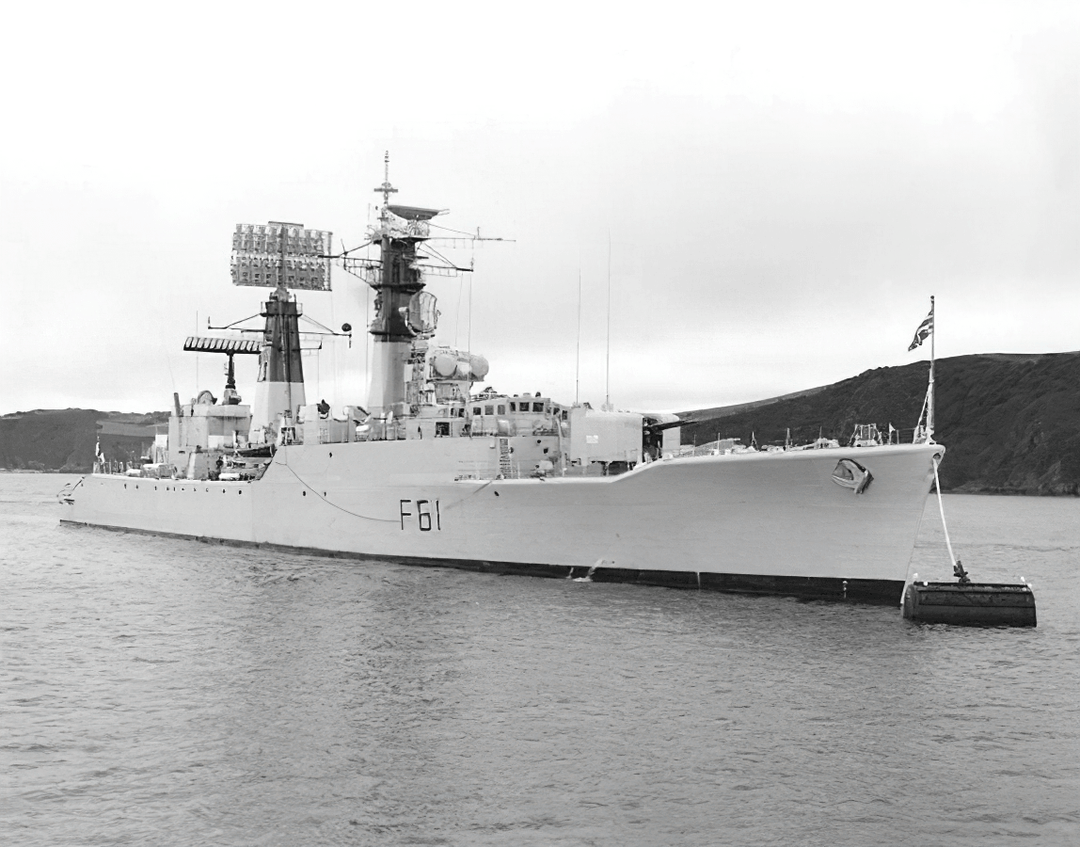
(169, 692)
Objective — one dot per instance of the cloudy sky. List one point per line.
(779, 187)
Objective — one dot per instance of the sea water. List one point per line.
(162, 691)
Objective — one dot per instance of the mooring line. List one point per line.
(941, 508)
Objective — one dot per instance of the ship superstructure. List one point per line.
(429, 469)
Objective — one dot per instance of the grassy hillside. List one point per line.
(1010, 423)
(64, 439)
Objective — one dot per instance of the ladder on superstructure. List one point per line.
(505, 465)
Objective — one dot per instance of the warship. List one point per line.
(431, 471)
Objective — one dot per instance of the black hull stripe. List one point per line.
(871, 591)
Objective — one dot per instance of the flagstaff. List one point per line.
(930, 400)
(926, 328)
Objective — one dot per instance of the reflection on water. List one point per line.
(169, 692)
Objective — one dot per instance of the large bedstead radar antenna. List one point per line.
(283, 256)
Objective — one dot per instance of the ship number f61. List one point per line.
(426, 513)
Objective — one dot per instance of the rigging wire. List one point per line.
(285, 463)
(368, 337)
(437, 255)
(457, 313)
(451, 229)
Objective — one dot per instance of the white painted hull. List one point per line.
(753, 521)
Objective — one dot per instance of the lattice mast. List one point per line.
(401, 313)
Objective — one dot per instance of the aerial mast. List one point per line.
(400, 315)
(577, 363)
(607, 358)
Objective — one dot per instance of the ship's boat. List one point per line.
(429, 470)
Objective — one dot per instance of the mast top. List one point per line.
(386, 189)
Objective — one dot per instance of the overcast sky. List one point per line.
(782, 186)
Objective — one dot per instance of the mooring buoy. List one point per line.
(970, 603)
(966, 603)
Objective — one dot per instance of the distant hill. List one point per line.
(1010, 423)
(65, 439)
